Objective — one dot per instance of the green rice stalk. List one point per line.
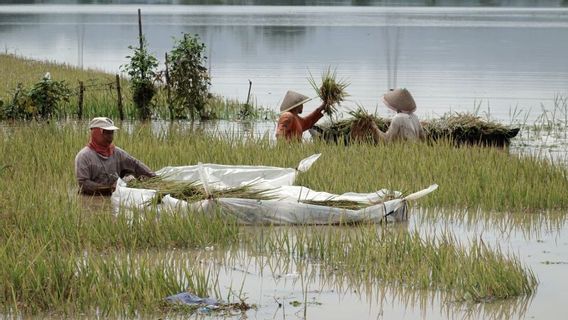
(331, 91)
(192, 191)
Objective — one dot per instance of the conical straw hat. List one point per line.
(400, 100)
(293, 99)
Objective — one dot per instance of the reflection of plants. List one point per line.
(142, 71)
(40, 102)
(189, 77)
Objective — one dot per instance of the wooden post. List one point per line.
(248, 94)
(119, 95)
(140, 38)
(81, 92)
(168, 91)
(140, 29)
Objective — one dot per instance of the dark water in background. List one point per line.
(458, 58)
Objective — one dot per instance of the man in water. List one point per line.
(100, 163)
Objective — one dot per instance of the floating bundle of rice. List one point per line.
(193, 191)
(361, 129)
(331, 91)
(461, 128)
(467, 128)
(356, 128)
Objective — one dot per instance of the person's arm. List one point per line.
(377, 134)
(312, 118)
(421, 132)
(130, 165)
(395, 128)
(83, 176)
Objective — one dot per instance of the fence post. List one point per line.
(168, 92)
(81, 92)
(140, 37)
(119, 95)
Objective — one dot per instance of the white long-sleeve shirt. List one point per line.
(403, 126)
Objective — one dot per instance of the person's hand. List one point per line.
(128, 178)
(322, 107)
(374, 125)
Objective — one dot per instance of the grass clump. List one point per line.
(474, 273)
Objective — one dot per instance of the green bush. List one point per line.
(142, 72)
(189, 77)
(39, 102)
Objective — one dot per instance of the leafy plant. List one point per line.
(46, 95)
(189, 77)
(142, 72)
(40, 102)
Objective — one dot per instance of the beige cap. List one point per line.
(293, 99)
(400, 100)
(103, 123)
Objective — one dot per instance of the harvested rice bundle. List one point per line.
(469, 129)
(349, 204)
(193, 191)
(331, 91)
(362, 126)
(340, 204)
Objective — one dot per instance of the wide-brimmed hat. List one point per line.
(399, 100)
(103, 123)
(293, 99)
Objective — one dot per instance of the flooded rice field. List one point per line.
(505, 63)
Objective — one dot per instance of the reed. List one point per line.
(472, 272)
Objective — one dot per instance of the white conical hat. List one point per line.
(400, 100)
(293, 99)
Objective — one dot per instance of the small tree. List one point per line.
(142, 72)
(188, 76)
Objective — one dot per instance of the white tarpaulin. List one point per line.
(287, 207)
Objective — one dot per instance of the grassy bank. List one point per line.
(56, 256)
(100, 93)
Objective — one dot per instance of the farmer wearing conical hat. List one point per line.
(405, 124)
(100, 163)
(290, 124)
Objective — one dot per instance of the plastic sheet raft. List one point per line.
(290, 204)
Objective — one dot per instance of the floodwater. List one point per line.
(451, 58)
(508, 62)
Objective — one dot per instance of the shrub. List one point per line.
(189, 78)
(142, 72)
(40, 102)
